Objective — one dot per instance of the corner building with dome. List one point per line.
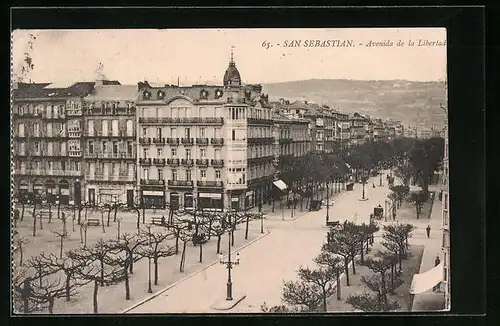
(205, 146)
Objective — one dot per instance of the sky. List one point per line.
(199, 56)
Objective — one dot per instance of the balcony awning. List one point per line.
(425, 281)
(280, 184)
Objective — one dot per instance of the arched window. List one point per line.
(146, 95)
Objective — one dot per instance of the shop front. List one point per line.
(110, 195)
(64, 192)
(38, 191)
(188, 200)
(153, 198)
(249, 199)
(210, 200)
(24, 190)
(51, 191)
(174, 201)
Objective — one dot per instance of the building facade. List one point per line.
(446, 223)
(109, 142)
(197, 144)
(47, 144)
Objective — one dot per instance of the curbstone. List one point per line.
(189, 276)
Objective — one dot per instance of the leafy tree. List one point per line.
(323, 278)
(400, 192)
(425, 157)
(340, 246)
(302, 294)
(334, 265)
(369, 302)
(418, 198)
(281, 309)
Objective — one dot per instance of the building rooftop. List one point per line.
(113, 93)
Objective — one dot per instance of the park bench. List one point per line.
(117, 276)
(93, 222)
(158, 221)
(199, 238)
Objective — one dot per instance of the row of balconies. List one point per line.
(182, 183)
(105, 177)
(183, 162)
(260, 141)
(99, 133)
(43, 172)
(259, 121)
(185, 120)
(109, 155)
(183, 141)
(284, 141)
(112, 112)
(259, 160)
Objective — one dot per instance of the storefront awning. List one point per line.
(280, 184)
(425, 281)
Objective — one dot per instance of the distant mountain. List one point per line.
(409, 101)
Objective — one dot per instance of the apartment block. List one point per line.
(109, 144)
(47, 124)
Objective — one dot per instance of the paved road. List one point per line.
(266, 263)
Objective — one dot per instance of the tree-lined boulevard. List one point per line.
(83, 259)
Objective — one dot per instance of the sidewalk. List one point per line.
(430, 301)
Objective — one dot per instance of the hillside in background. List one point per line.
(409, 101)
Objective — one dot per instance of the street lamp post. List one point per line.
(381, 172)
(261, 216)
(327, 203)
(229, 265)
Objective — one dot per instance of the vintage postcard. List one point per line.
(229, 171)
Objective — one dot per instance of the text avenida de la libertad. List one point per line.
(352, 43)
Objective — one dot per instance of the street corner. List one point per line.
(225, 304)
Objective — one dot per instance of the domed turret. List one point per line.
(232, 75)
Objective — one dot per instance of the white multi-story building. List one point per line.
(109, 144)
(204, 145)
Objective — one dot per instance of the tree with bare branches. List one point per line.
(95, 269)
(19, 242)
(119, 258)
(83, 233)
(131, 244)
(218, 226)
(155, 247)
(61, 235)
(70, 267)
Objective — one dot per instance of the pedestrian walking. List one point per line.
(163, 220)
(428, 230)
(437, 261)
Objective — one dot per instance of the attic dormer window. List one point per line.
(218, 93)
(161, 95)
(146, 95)
(203, 94)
